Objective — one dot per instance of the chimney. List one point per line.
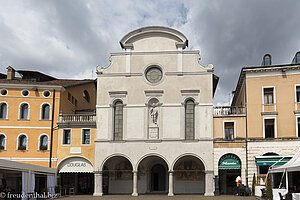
(10, 73)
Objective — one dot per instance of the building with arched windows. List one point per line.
(154, 117)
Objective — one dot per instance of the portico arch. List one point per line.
(117, 175)
(189, 175)
(152, 172)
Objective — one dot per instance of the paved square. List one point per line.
(160, 197)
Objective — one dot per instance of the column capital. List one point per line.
(134, 171)
(98, 172)
(170, 171)
(209, 172)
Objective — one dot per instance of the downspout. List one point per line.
(52, 122)
(246, 131)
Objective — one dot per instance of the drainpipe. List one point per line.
(246, 131)
(52, 121)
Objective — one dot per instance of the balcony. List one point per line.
(77, 120)
(229, 110)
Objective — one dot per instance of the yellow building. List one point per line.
(26, 109)
(261, 128)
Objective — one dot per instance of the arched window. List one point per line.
(22, 142)
(118, 120)
(43, 142)
(267, 60)
(2, 142)
(189, 119)
(3, 110)
(298, 57)
(24, 111)
(45, 112)
(86, 95)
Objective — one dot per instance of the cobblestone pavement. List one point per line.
(159, 197)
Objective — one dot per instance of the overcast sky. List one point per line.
(69, 38)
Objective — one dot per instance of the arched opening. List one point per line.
(22, 143)
(43, 143)
(3, 110)
(152, 175)
(45, 112)
(24, 111)
(118, 176)
(229, 169)
(86, 96)
(189, 175)
(76, 176)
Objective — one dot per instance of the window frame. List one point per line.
(2, 90)
(63, 134)
(296, 99)
(39, 142)
(86, 96)
(275, 126)
(6, 117)
(234, 129)
(264, 59)
(114, 121)
(24, 91)
(18, 142)
(185, 119)
(263, 95)
(5, 139)
(82, 136)
(298, 126)
(41, 111)
(28, 116)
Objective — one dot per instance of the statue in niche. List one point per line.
(154, 113)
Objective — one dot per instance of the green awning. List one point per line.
(271, 161)
(229, 161)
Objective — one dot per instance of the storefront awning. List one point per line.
(75, 165)
(229, 162)
(268, 161)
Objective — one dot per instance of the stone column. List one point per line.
(209, 183)
(98, 183)
(134, 193)
(171, 184)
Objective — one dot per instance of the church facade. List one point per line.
(154, 118)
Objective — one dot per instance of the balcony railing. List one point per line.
(229, 110)
(77, 118)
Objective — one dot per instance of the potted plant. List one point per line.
(22, 148)
(43, 148)
(253, 184)
(269, 192)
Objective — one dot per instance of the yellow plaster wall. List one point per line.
(34, 127)
(285, 104)
(240, 126)
(77, 92)
(87, 151)
(229, 145)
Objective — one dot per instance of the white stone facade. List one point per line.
(156, 143)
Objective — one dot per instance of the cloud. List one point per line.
(69, 38)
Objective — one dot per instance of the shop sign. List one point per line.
(76, 165)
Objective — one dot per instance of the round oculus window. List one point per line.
(25, 93)
(3, 92)
(154, 74)
(46, 93)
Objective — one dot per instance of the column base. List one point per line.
(209, 194)
(170, 194)
(98, 194)
(134, 194)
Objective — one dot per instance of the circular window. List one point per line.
(46, 93)
(3, 92)
(154, 74)
(25, 93)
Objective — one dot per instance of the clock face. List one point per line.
(154, 74)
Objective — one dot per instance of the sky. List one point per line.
(69, 38)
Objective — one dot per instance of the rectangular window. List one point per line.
(269, 128)
(268, 96)
(66, 136)
(298, 94)
(229, 130)
(86, 136)
(69, 96)
(298, 124)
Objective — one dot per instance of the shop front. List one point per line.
(76, 176)
(229, 169)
